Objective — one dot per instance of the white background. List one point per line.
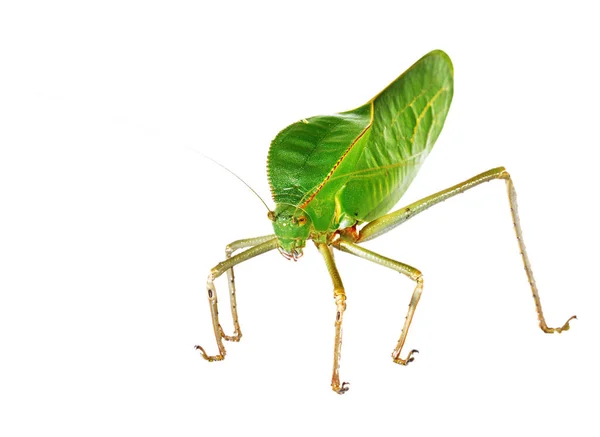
(110, 221)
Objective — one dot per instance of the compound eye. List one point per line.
(301, 220)
(271, 216)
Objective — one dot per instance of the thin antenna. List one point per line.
(243, 181)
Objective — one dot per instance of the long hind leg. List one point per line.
(390, 221)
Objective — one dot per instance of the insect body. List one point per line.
(334, 179)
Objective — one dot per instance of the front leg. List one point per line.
(229, 250)
(217, 271)
(340, 303)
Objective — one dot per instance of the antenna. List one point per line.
(239, 178)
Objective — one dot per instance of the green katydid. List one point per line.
(335, 177)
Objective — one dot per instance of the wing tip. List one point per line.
(442, 55)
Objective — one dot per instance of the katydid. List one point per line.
(334, 179)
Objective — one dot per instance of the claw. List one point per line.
(343, 389)
(405, 361)
(209, 357)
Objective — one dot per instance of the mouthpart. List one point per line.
(294, 254)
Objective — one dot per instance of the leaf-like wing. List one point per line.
(407, 119)
(304, 154)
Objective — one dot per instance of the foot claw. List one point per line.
(566, 326)
(209, 357)
(405, 361)
(343, 389)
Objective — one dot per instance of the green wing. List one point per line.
(356, 165)
(304, 155)
(407, 119)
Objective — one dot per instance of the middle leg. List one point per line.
(405, 269)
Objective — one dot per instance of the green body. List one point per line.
(343, 169)
(330, 173)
